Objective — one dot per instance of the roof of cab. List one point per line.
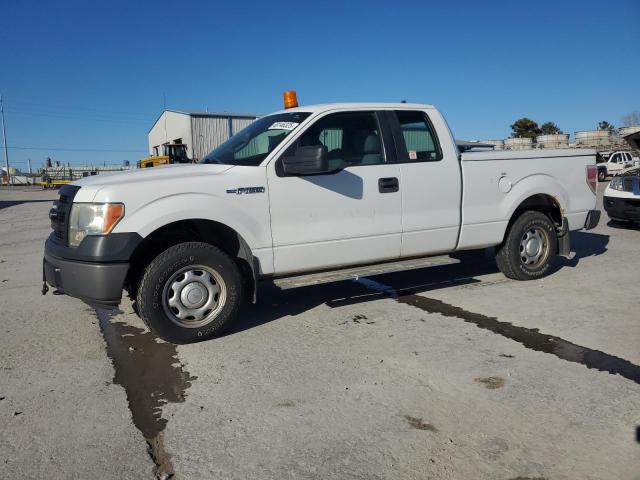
(326, 107)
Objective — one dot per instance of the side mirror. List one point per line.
(310, 160)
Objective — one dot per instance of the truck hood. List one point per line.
(175, 172)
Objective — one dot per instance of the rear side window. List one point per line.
(420, 141)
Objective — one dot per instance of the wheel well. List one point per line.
(208, 231)
(540, 202)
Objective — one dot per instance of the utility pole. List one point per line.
(30, 173)
(4, 139)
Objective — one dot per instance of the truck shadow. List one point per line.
(623, 225)
(13, 203)
(275, 303)
(584, 244)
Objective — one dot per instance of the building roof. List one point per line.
(217, 114)
(208, 114)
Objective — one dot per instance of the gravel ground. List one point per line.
(451, 372)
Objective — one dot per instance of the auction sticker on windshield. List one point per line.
(283, 126)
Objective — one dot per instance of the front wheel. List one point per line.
(529, 248)
(189, 293)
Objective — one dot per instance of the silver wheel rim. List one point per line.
(534, 247)
(194, 296)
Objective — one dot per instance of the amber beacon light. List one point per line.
(290, 99)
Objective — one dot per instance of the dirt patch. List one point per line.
(419, 424)
(490, 382)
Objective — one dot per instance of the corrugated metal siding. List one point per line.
(332, 138)
(418, 139)
(260, 144)
(208, 133)
(238, 124)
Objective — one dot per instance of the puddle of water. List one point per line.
(530, 338)
(151, 375)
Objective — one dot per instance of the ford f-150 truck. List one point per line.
(309, 189)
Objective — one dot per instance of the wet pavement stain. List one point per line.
(531, 338)
(490, 382)
(418, 424)
(528, 478)
(152, 376)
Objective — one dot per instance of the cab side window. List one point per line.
(419, 138)
(351, 139)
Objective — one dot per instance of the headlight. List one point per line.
(616, 183)
(93, 219)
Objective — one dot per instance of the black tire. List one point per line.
(192, 257)
(602, 175)
(512, 258)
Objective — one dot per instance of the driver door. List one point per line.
(347, 217)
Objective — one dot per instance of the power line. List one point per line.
(79, 117)
(73, 109)
(54, 149)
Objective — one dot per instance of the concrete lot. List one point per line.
(451, 372)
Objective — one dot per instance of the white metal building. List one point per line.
(200, 131)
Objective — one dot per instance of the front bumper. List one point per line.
(622, 208)
(98, 284)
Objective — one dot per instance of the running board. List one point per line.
(305, 280)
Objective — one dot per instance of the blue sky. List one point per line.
(86, 78)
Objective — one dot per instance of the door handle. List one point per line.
(388, 185)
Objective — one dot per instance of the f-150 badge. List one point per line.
(246, 190)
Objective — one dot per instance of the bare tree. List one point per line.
(631, 119)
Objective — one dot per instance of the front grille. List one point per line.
(627, 184)
(59, 213)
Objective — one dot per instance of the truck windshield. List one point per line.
(251, 145)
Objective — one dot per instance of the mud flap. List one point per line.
(564, 241)
(45, 287)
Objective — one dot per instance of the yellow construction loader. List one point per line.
(176, 153)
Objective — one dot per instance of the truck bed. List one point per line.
(495, 183)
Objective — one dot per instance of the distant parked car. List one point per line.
(616, 163)
(622, 197)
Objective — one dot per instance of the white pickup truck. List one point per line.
(309, 189)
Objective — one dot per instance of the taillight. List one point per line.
(592, 178)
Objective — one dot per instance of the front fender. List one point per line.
(248, 216)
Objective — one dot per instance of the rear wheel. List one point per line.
(529, 248)
(190, 292)
(602, 175)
